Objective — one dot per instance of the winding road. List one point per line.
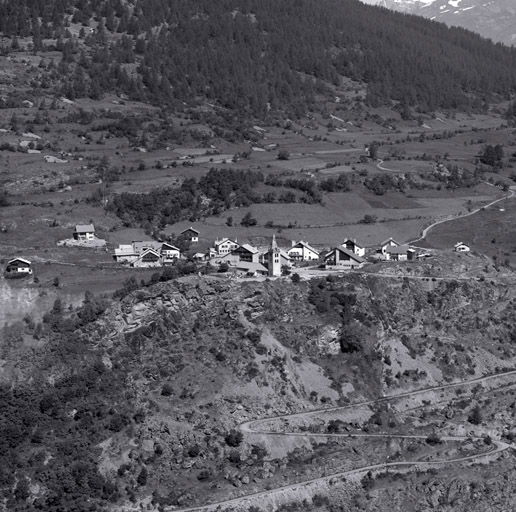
(512, 191)
(255, 427)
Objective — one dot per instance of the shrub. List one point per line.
(234, 438)
(475, 417)
(433, 439)
(142, 478)
(167, 389)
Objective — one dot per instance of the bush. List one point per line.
(248, 220)
(283, 154)
(167, 389)
(433, 439)
(234, 438)
(475, 417)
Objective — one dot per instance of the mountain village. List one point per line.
(242, 259)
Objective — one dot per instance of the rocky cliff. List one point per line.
(144, 400)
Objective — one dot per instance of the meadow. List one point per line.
(90, 138)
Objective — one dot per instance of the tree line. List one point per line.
(255, 57)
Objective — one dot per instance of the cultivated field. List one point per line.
(55, 172)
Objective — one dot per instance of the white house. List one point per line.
(84, 232)
(390, 242)
(461, 247)
(354, 247)
(225, 246)
(301, 251)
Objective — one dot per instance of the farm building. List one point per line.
(249, 269)
(147, 253)
(354, 247)
(84, 232)
(461, 247)
(301, 251)
(341, 257)
(191, 234)
(18, 266)
(400, 253)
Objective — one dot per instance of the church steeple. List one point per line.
(274, 258)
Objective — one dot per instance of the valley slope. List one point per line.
(143, 403)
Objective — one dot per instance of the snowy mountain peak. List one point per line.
(493, 19)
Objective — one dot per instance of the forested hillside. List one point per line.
(255, 56)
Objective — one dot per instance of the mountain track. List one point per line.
(253, 427)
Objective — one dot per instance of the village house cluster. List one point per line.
(242, 258)
(247, 260)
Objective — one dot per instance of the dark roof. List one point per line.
(21, 260)
(189, 229)
(343, 250)
(400, 249)
(84, 228)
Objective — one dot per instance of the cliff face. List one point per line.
(149, 395)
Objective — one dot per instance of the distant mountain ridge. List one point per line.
(493, 19)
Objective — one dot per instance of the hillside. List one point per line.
(242, 58)
(139, 401)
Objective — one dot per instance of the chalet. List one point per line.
(461, 247)
(341, 257)
(84, 232)
(224, 246)
(148, 258)
(400, 253)
(18, 266)
(354, 247)
(169, 252)
(191, 234)
(388, 243)
(247, 253)
(301, 251)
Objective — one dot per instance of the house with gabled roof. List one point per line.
(169, 252)
(191, 234)
(461, 247)
(341, 257)
(301, 251)
(390, 242)
(353, 246)
(246, 252)
(225, 246)
(84, 232)
(18, 267)
(250, 269)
